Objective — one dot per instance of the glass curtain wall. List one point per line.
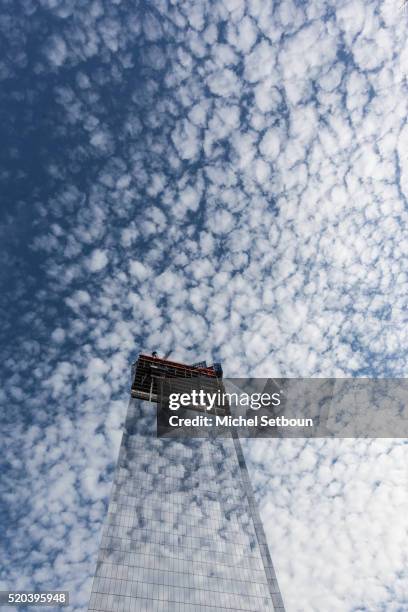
(183, 533)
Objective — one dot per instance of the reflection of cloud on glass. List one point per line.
(181, 527)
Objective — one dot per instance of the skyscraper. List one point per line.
(183, 533)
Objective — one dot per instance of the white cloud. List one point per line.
(223, 83)
(259, 64)
(98, 260)
(56, 51)
(138, 270)
(58, 335)
(101, 139)
(270, 144)
(185, 139)
(243, 35)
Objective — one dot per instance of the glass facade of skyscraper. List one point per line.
(182, 533)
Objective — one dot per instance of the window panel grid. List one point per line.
(182, 579)
(182, 530)
(160, 557)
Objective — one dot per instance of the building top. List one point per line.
(148, 369)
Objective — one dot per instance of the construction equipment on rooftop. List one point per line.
(149, 369)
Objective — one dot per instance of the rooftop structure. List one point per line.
(149, 369)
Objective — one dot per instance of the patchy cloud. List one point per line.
(98, 260)
(221, 180)
(56, 50)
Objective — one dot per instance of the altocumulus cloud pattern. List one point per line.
(222, 179)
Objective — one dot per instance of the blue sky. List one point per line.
(228, 181)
